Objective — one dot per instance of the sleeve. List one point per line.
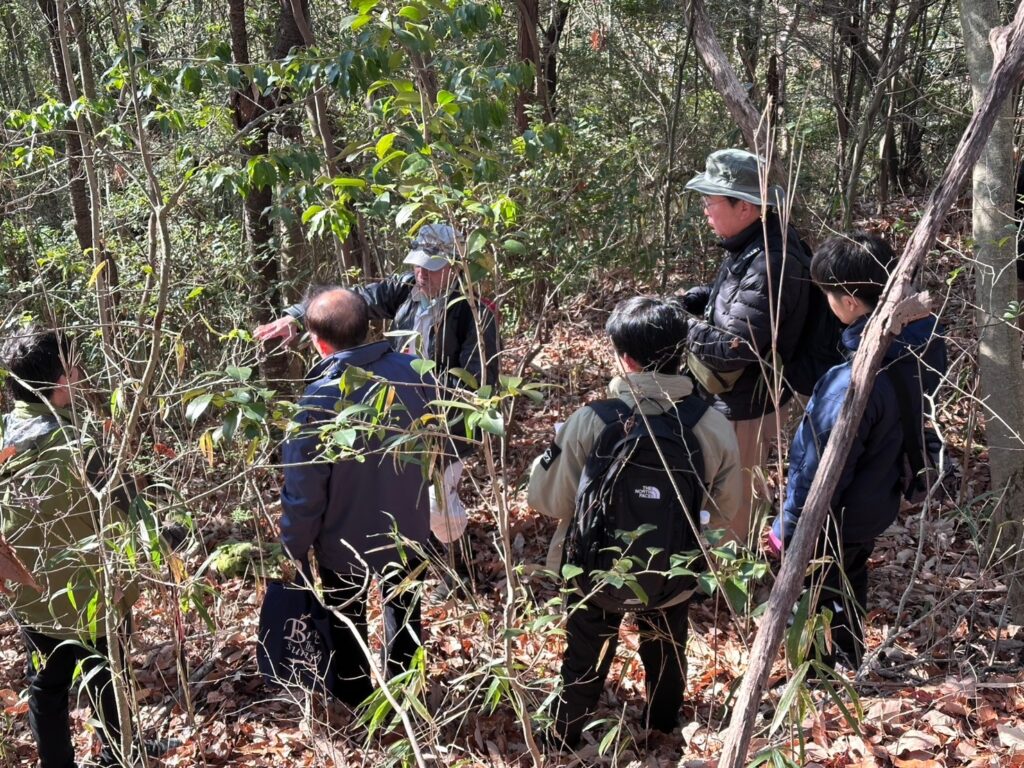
(385, 297)
(809, 446)
(298, 313)
(555, 476)
(722, 473)
(306, 478)
(477, 353)
(695, 299)
(743, 332)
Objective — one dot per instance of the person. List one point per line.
(436, 321)
(852, 271)
(429, 314)
(757, 304)
(349, 511)
(50, 518)
(648, 336)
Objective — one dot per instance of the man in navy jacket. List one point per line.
(852, 271)
(357, 514)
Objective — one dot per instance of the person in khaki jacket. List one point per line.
(648, 336)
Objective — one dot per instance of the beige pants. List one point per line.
(755, 437)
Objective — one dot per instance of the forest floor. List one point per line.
(946, 687)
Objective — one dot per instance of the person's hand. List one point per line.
(770, 543)
(285, 328)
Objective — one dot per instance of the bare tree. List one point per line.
(999, 357)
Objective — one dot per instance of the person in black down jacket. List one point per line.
(754, 311)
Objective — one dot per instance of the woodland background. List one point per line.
(174, 172)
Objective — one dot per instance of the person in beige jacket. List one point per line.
(648, 336)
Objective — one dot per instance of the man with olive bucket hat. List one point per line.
(757, 304)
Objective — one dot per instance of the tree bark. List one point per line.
(1006, 73)
(756, 131)
(999, 356)
(249, 107)
(78, 191)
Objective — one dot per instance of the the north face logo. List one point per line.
(649, 492)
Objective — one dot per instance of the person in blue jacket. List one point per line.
(852, 271)
(349, 511)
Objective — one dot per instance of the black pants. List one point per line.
(844, 591)
(349, 594)
(591, 638)
(49, 687)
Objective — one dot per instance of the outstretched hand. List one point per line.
(284, 328)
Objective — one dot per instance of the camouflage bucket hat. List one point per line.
(735, 173)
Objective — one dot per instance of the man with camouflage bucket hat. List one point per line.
(756, 304)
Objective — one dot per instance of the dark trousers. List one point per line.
(591, 638)
(844, 591)
(50, 686)
(349, 595)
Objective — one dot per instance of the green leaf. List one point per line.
(190, 80)
(384, 144)
(262, 173)
(413, 13)
(197, 406)
(243, 373)
(445, 97)
(405, 213)
(514, 246)
(476, 242)
(782, 711)
(422, 367)
(570, 571)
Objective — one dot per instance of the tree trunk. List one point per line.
(249, 107)
(552, 38)
(527, 51)
(999, 355)
(1007, 71)
(78, 190)
(19, 60)
(756, 131)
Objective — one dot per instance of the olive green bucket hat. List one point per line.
(735, 173)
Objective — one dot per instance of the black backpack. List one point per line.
(629, 524)
(820, 345)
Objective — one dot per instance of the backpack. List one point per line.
(820, 344)
(628, 506)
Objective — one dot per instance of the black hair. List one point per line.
(35, 358)
(340, 317)
(650, 330)
(856, 265)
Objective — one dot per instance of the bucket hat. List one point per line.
(735, 173)
(433, 247)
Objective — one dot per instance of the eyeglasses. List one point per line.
(709, 203)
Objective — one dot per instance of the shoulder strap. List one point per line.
(691, 409)
(611, 410)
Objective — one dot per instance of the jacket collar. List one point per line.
(360, 356)
(755, 232)
(913, 338)
(662, 389)
(29, 423)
